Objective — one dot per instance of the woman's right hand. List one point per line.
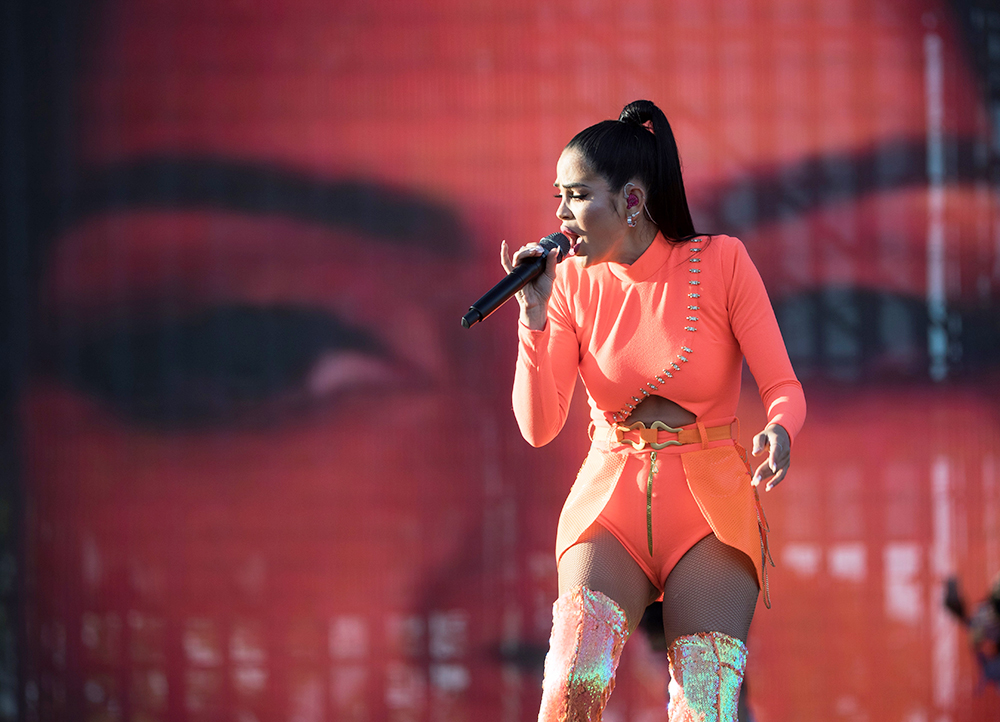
(534, 297)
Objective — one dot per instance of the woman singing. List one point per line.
(656, 319)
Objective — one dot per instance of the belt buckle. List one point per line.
(647, 438)
(660, 426)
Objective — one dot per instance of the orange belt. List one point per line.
(659, 435)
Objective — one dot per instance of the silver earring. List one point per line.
(631, 220)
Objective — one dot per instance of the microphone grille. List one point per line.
(556, 241)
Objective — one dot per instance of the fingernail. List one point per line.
(756, 480)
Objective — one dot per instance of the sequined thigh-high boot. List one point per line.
(706, 671)
(588, 633)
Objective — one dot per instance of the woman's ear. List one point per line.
(634, 198)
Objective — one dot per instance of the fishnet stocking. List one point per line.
(600, 563)
(713, 588)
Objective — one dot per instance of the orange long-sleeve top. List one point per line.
(676, 323)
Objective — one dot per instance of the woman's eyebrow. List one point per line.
(570, 186)
(779, 192)
(390, 214)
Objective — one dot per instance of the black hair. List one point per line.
(627, 148)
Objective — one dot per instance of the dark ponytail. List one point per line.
(640, 144)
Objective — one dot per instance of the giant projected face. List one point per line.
(269, 473)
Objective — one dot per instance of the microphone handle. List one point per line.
(523, 274)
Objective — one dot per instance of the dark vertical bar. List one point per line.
(13, 346)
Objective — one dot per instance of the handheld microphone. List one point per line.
(524, 273)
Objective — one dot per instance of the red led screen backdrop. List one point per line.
(268, 476)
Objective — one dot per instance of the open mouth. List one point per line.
(574, 240)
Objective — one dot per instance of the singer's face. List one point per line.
(588, 211)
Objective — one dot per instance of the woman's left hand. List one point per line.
(779, 458)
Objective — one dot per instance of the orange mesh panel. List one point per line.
(720, 483)
(590, 493)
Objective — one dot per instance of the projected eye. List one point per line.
(228, 363)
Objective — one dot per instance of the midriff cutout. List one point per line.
(656, 408)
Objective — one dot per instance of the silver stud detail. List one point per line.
(667, 374)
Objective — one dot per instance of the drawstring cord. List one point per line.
(762, 528)
(765, 550)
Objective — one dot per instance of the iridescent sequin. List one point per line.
(588, 633)
(706, 671)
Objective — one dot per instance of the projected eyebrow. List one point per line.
(384, 213)
(843, 333)
(777, 193)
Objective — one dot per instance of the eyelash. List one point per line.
(572, 198)
(195, 369)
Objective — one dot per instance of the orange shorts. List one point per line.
(677, 521)
(697, 489)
